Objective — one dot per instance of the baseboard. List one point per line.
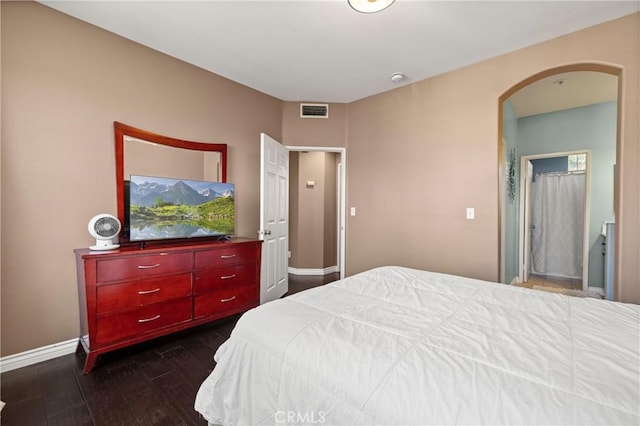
(319, 271)
(34, 356)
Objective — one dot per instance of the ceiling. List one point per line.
(324, 51)
(564, 91)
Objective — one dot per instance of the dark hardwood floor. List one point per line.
(152, 383)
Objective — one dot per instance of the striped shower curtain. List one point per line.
(557, 216)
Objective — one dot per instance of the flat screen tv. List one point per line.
(166, 208)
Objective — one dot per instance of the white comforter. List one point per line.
(400, 346)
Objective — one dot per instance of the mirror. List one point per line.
(140, 152)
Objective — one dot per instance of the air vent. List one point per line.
(314, 110)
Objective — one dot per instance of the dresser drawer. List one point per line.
(130, 295)
(226, 302)
(148, 318)
(222, 256)
(142, 266)
(227, 277)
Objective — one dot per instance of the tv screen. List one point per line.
(166, 208)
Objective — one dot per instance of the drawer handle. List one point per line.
(227, 277)
(227, 300)
(148, 266)
(149, 319)
(227, 256)
(149, 291)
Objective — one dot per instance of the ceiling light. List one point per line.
(397, 77)
(370, 6)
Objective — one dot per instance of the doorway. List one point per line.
(520, 128)
(554, 220)
(275, 209)
(317, 210)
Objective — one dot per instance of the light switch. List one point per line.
(471, 213)
(353, 211)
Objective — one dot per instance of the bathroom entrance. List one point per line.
(555, 220)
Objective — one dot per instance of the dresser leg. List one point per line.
(90, 362)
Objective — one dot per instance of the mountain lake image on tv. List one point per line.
(163, 208)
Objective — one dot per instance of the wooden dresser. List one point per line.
(131, 295)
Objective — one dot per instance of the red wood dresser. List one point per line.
(131, 295)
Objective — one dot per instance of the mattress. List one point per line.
(395, 345)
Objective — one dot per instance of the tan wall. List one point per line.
(330, 240)
(294, 203)
(312, 210)
(326, 132)
(64, 82)
(419, 155)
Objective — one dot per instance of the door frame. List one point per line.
(342, 199)
(525, 208)
(525, 194)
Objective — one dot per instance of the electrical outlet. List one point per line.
(471, 213)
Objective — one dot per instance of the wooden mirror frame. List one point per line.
(122, 130)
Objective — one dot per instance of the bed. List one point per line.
(395, 345)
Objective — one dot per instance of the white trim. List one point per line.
(502, 215)
(586, 245)
(340, 209)
(318, 271)
(342, 224)
(34, 356)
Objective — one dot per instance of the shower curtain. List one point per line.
(557, 216)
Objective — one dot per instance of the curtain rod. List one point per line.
(574, 172)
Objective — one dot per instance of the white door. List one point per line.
(274, 218)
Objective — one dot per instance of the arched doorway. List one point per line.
(510, 245)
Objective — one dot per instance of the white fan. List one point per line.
(104, 228)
